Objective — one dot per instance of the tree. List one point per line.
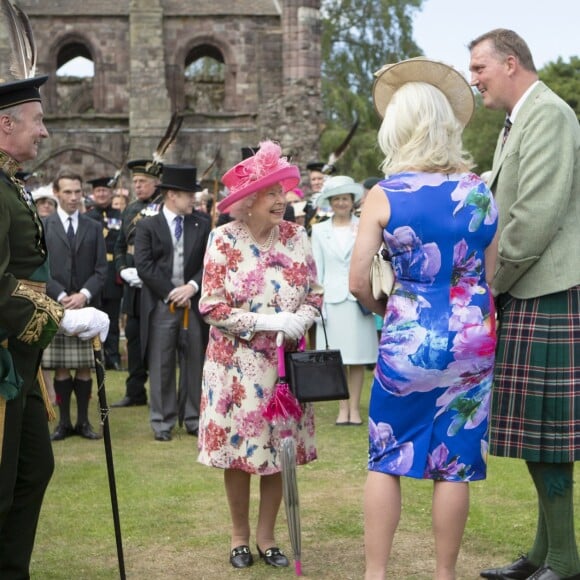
(564, 79)
(358, 38)
(480, 136)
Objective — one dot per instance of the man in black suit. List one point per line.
(110, 220)
(78, 269)
(169, 251)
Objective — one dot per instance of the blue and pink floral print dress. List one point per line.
(428, 415)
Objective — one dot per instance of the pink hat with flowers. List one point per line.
(263, 169)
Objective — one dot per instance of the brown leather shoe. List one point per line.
(521, 569)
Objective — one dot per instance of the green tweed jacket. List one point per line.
(536, 182)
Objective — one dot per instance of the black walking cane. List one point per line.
(104, 408)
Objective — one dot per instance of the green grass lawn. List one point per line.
(175, 521)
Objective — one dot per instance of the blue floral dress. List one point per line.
(428, 415)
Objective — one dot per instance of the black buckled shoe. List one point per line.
(273, 557)
(62, 432)
(521, 569)
(241, 557)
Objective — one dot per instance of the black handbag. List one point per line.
(316, 375)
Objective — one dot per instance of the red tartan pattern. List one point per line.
(536, 394)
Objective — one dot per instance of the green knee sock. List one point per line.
(554, 485)
(537, 555)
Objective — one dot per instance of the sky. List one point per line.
(444, 28)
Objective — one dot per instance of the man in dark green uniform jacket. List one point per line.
(145, 175)
(28, 321)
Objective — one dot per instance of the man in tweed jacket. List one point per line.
(536, 398)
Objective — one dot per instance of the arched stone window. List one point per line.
(75, 72)
(204, 82)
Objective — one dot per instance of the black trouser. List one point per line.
(26, 466)
(112, 307)
(135, 383)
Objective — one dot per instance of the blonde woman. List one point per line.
(430, 396)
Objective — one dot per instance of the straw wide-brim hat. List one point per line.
(267, 167)
(339, 185)
(450, 82)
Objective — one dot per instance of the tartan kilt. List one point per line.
(68, 352)
(535, 409)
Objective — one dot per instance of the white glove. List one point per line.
(287, 322)
(131, 277)
(85, 323)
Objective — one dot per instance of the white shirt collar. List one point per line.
(521, 101)
(64, 217)
(169, 218)
(169, 215)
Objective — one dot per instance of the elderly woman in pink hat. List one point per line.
(259, 279)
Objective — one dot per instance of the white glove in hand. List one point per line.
(85, 323)
(131, 277)
(287, 322)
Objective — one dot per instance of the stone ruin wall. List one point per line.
(139, 47)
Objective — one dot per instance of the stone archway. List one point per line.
(204, 83)
(76, 95)
(187, 90)
(268, 53)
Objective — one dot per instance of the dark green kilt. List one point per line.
(535, 412)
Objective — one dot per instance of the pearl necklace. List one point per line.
(265, 245)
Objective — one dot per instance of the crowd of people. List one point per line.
(476, 350)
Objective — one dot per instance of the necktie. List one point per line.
(507, 125)
(178, 226)
(70, 232)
